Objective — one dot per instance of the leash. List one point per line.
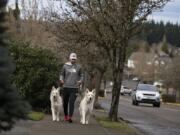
(80, 94)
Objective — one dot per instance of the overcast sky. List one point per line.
(171, 12)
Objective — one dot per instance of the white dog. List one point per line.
(86, 106)
(56, 103)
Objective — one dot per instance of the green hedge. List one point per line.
(37, 70)
(169, 98)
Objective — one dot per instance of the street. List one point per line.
(149, 120)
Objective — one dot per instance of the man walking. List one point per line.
(71, 78)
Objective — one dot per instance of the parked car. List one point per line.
(135, 79)
(159, 85)
(125, 90)
(146, 93)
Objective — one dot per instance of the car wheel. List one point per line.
(134, 102)
(122, 94)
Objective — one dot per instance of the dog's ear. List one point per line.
(87, 90)
(94, 91)
(58, 89)
(53, 88)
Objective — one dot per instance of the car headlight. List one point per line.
(138, 94)
(157, 95)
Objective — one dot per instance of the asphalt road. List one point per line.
(149, 120)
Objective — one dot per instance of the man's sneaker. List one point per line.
(66, 118)
(70, 120)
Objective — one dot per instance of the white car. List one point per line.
(125, 90)
(135, 79)
(146, 93)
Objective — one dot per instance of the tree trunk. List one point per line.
(113, 113)
(118, 65)
(115, 98)
(179, 95)
(89, 81)
(104, 84)
(98, 85)
(104, 87)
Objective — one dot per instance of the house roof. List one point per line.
(149, 57)
(166, 59)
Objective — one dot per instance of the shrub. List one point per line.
(36, 72)
(168, 98)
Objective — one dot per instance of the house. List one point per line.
(149, 59)
(141, 57)
(148, 66)
(162, 61)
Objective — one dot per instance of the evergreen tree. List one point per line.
(164, 46)
(153, 33)
(12, 107)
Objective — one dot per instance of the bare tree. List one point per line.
(176, 75)
(109, 24)
(171, 75)
(144, 66)
(28, 25)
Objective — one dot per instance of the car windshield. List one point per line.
(146, 87)
(125, 87)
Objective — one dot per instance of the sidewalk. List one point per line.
(47, 127)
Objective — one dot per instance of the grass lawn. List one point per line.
(121, 126)
(176, 104)
(36, 116)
